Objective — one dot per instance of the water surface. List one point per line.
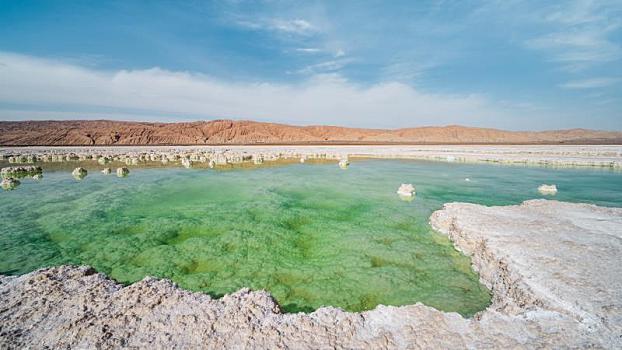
(311, 234)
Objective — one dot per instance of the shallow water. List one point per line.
(311, 234)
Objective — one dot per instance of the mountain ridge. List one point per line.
(247, 132)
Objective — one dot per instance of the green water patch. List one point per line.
(312, 235)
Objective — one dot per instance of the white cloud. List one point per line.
(581, 37)
(407, 70)
(296, 26)
(590, 83)
(308, 49)
(289, 26)
(340, 53)
(62, 89)
(578, 46)
(324, 67)
(578, 12)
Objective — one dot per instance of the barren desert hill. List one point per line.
(108, 132)
(462, 134)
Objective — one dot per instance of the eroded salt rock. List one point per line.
(344, 163)
(20, 171)
(406, 192)
(548, 190)
(187, 163)
(221, 159)
(18, 159)
(79, 173)
(106, 171)
(9, 183)
(257, 159)
(123, 172)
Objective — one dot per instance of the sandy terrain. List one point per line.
(105, 132)
(553, 269)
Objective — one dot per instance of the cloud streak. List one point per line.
(308, 49)
(295, 26)
(590, 83)
(42, 84)
(582, 35)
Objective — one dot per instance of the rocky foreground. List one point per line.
(108, 132)
(553, 268)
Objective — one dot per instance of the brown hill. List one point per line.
(106, 132)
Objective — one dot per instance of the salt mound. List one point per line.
(547, 189)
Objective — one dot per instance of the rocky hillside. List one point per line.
(106, 132)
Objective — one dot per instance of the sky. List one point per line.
(516, 65)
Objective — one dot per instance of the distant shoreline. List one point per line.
(602, 156)
(561, 143)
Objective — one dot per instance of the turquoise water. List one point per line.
(311, 234)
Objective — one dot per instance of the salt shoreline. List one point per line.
(606, 156)
(552, 268)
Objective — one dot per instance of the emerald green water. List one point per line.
(311, 234)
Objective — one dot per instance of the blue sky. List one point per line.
(505, 64)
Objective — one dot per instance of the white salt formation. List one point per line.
(561, 156)
(258, 159)
(17, 171)
(407, 190)
(79, 173)
(9, 183)
(547, 190)
(187, 163)
(106, 171)
(123, 172)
